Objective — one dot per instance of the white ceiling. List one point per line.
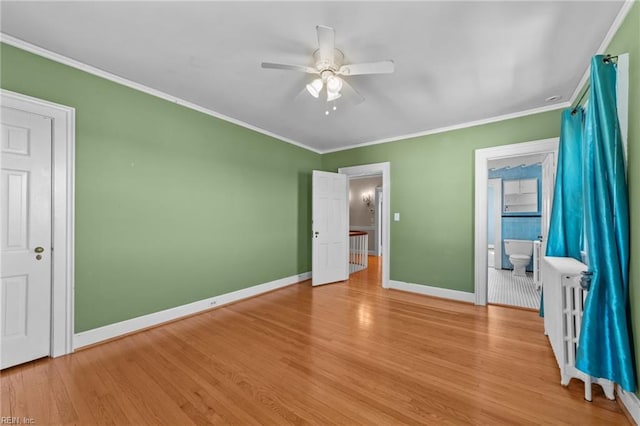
(456, 62)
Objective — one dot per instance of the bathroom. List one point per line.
(516, 206)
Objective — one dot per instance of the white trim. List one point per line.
(376, 169)
(21, 44)
(489, 120)
(111, 331)
(617, 23)
(481, 176)
(622, 98)
(631, 403)
(497, 223)
(378, 222)
(443, 293)
(63, 193)
(365, 177)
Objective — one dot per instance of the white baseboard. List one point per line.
(630, 402)
(443, 293)
(110, 331)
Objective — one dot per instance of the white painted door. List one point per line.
(25, 234)
(330, 239)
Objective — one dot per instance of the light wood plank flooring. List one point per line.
(348, 353)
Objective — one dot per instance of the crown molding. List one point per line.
(458, 126)
(40, 51)
(617, 23)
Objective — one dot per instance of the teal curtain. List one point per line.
(565, 226)
(604, 349)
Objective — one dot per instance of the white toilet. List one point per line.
(519, 252)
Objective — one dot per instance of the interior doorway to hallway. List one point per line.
(370, 197)
(364, 209)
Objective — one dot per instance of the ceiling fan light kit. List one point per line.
(315, 87)
(329, 67)
(334, 84)
(331, 96)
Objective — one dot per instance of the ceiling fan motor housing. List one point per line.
(326, 65)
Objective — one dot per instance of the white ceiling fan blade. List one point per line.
(352, 93)
(271, 65)
(326, 42)
(381, 67)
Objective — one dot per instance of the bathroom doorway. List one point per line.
(514, 229)
(514, 192)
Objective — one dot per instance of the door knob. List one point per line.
(316, 234)
(39, 249)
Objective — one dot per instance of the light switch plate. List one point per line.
(396, 217)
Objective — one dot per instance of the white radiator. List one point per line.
(358, 251)
(563, 306)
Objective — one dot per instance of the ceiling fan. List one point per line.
(330, 69)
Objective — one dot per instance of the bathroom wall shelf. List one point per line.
(520, 196)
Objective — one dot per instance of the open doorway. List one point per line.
(516, 227)
(364, 229)
(369, 195)
(523, 206)
(364, 209)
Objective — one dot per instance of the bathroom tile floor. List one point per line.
(505, 289)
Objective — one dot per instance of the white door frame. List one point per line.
(378, 219)
(376, 169)
(497, 221)
(549, 169)
(482, 174)
(62, 190)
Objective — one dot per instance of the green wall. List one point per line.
(432, 187)
(172, 205)
(627, 40)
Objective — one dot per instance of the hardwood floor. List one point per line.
(347, 353)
